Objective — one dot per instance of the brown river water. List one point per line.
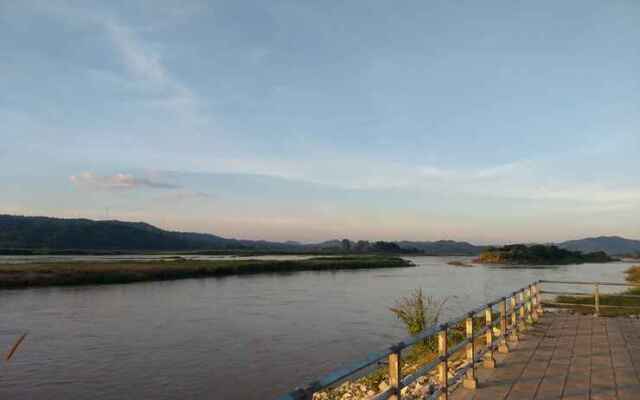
(250, 337)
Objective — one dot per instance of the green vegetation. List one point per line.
(83, 273)
(418, 312)
(585, 303)
(520, 254)
(459, 264)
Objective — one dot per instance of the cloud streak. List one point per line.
(145, 64)
(118, 182)
(141, 60)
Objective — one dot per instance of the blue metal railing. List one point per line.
(514, 314)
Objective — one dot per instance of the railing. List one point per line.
(514, 313)
(595, 294)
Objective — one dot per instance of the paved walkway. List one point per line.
(566, 356)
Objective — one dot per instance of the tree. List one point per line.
(346, 245)
(362, 246)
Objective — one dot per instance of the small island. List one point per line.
(459, 264)
(521, 254)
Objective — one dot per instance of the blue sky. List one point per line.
(482, 121)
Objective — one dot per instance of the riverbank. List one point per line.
(585, 303)
(84, 273)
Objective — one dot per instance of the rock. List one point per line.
(428, 388)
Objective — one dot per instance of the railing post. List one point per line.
(596, 297)
(529, 305)
(523, 310)
(443, 379)
(489, 361)
(503, 347)
(539, 299)
(534, 302)
(470, 381)
(395, 380)
(514, 319)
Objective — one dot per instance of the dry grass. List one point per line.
(14, 348)
(82, 273)
(582, 304)
(633, 274)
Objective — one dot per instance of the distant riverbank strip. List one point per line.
(86, 273)
(584, 303)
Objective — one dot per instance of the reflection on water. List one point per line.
(250, 337)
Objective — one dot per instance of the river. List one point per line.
(249, 337)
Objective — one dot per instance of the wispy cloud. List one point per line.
(141, 59)
(185, 195)
(144, 63)
(118, 182)
(469, 174)
(603, 196)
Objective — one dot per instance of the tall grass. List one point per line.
(419, 312)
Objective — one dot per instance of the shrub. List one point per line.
(418, 312)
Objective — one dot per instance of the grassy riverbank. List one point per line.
(84, 273)
(583, 303)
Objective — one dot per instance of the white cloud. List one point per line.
(118, 182)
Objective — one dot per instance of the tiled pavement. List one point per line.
(566, 356)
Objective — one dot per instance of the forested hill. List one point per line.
(613, 245)
(44, 234)
(444, 247)
(17, 232)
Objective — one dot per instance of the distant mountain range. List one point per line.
(444, 247)
(612, 245)
(44, 233)
(20, 234)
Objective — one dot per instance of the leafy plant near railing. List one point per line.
(419, 312)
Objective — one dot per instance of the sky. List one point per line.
(491, 122)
